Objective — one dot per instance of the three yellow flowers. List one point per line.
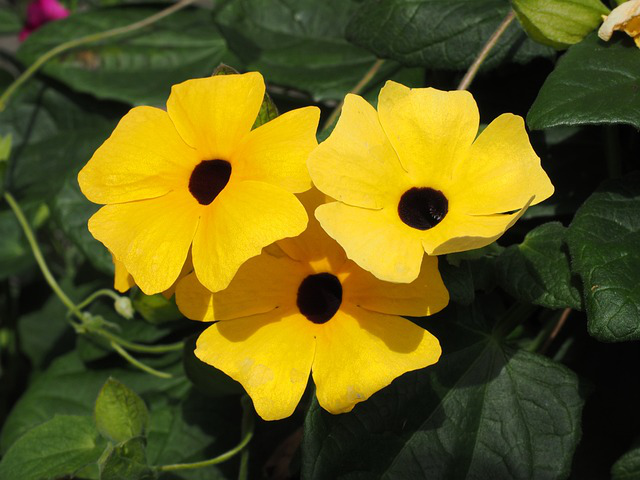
(198, 201)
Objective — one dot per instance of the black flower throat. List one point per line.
(208, 179)
(319, 297)
(422, 208)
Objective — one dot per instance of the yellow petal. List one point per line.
(459, 232)
(358, 352)
(375, 239)
(277, 151)
(424, 296)
(430, 130)
(356, 164)
(262, 284)
(269, 354)
(122, 280)
(143, 158)
(150, 237)
(313, 245)
(501, 173)
(243, 219)
(213, 114)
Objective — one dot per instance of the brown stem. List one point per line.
(473, 69)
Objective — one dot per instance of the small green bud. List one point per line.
(124, 307)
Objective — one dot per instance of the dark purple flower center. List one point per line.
(422, 208)
(319, 297)
(208, 179)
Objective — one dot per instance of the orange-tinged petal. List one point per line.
(243, 219)
(501, 173)
(269, 354)
(375, 239)
(122, 279)
(356, 164)
(262, 284)
(426, 295)
(213, 114)
(313, 245)
(150, 237)
(143, 158)
(358, 352)
(430, 130)
(277, 151)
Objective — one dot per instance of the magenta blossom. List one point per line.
(40, 12)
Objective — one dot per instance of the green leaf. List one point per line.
(299, 44)
(440, 34)
(156, 309)
(559, 23)
(54, 134)
(139, 67)
(9, 21)
(483, 411)
(595, 82)
(628, 466)
(120, 413)
(603, 242)
(54, 449)
(68, 387)
(125, 461)
(72, 211)
(538, 270)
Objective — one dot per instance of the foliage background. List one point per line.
(537, 379)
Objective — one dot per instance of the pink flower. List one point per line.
(40, 12)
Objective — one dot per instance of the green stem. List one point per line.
(37, 253)
(137, 347)
(137, 363)
(246, 417)
(246, 428)
(493, 40)
(94, 37)
(98, 293)
(512, 318)
(356, 90)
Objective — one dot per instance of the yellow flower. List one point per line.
(413, 178)
(196, 177)
(309, 309)
(625, 17)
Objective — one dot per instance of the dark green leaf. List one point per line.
(9, 21)
(54, 134)
(439, 34)
(120, 413)
(595, 82)
(72, 210)
(628, 466)
(559, 23)
(54, 449)
(126, 461)
(538, 270)
(484, 411)
(138, 67)
(298, 44)
(458, 280)
(603, 241)
(68, 387)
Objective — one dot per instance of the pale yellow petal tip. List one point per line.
(252, 79)
(622, 18)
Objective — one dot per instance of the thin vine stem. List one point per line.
(138, 347)
(104, 292)
(77, 42)
(137, 363)
(37, 253)
(493, 40)
(247, 421)
(367, 77)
